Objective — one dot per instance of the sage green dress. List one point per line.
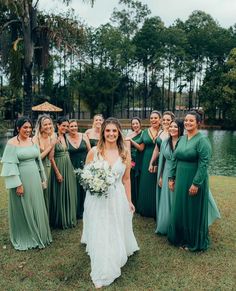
(78, 156)
(28, 218)
(135, 172)
(93, 142)
(189, 215)
(146, 205)
(47, 170)
(62, 196)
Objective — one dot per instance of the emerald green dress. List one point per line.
(146, 204)
(78, 156)
(189, 215)
(62, 196)
(93, 142)
(28, 218)
(136, 158)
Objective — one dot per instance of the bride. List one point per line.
(107, 222)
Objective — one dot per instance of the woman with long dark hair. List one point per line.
(189, 180)
(164, 195)
(28, 218)
(107, 228)
(78, 147)
(62, 183)
(136, 158)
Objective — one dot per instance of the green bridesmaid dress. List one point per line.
(164, 196)
(62, 196)
(28, 218)
(189, 215)
(47, 170)
(136, 158)
(93, 142)
(146, 204)
(78, 156)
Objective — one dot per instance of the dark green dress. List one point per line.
(62, 196)
(93, 142)
(78, 156)
(28, 218)
(189, 215)
(146, 205)
(136, 158)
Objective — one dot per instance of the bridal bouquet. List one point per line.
(96, 177)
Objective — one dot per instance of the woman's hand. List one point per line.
(44, 185)
(131, 207)
(171, 185)
(59, 178)
(160, 182)
(193, 190)
(20, 190)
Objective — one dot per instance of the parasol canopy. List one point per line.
(46, 107)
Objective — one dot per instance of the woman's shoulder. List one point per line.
(13, 141)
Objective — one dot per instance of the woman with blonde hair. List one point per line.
(94, 132)
(107, 228)
(46, 140)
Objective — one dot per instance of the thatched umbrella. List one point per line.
(46, 107)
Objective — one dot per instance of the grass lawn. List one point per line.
(64, 265)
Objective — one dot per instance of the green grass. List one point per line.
(64, 265)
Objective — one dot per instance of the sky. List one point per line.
(224, 11)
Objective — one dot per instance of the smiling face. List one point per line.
(173, 129)
(73, 127)
(97, 121)
(166, 120)
(135, 125)
(25, 130)
(46, 126)
(154, 120)
(190, 123)
(111, 133)
(63, 127)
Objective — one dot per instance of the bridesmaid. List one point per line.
(62, 183)
(146, 204)
(46, 140)
(136, 159)
(189, 180)
(28, 219)
(167, 118)
(94, 132)
(78, 147)
(164, 195)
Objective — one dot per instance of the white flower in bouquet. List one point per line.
(97, 177)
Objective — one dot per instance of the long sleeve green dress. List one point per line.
(78, 156)
(62, 196)
(28, 218)
(189, 215)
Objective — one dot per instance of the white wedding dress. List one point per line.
(107, 230)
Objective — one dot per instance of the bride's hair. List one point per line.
(123, 151)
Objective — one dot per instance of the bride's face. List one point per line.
(111, 133)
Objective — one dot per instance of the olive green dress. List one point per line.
(146, 205)
(189, 215)
(93, 142)
(47, 170)
(78, 156)
(136, 158)
(28, 218)
(62, 196)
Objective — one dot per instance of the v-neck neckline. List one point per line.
(79, 143)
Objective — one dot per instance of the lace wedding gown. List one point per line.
(108, 231)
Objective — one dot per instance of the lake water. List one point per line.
(223, 142)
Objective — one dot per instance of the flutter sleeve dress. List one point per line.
(28, 218)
